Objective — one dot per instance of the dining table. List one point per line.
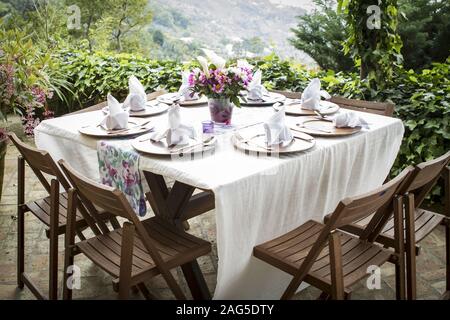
(257, 197)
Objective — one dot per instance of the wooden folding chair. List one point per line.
(134, 253)
(332, 260)
(51, 210)
(101, 105)
(382, 108)
(418, 222)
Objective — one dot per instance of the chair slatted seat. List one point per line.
(42, 209)
(289, 252)
(176, 248)
(333, 261)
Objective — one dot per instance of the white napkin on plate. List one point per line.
(256, 91)
(177, 133)
(137, 98)
(186, 89)
(349, 120)
(276, 130)
(117, 117)
(312, 95)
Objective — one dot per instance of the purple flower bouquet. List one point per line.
(222, 84)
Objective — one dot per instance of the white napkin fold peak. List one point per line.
(312, 95)
(117, 117)
(186, 89)
(256, 91)
(178, 133)
(276, 130)
(137, 98)
(349, 120)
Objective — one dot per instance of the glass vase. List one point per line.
(221, 110)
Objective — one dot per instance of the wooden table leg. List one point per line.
(174, 205)
(196, 281)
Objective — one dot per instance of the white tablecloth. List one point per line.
(256, 199)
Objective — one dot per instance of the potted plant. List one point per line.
(222, 84)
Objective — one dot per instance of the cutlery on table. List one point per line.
(141, 125)
(249, 141)
(299, 137)
(322, 116)
(301, 125)
(156, 138)
(204, 143)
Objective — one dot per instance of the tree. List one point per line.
(158, 37)
(320, 34)
(425, 30)
(91, 12)
(128, 16)
(373, 41)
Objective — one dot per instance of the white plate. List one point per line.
(297, 110)
(152, 108)
(258, 143)
(145, 145)
(95, 130)
(169, 98)
(269, 100)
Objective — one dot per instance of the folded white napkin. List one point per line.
(177, 133)
(137, 97)
(256, 91)
(312, 95)
(117, 117)
(276, 130)
(349, 120)
(186, 89)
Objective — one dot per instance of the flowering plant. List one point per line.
(25, 85)
(217, 80)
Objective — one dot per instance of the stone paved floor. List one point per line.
(96, 284)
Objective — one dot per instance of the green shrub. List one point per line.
(93, 75)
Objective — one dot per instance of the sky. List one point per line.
(305, 4)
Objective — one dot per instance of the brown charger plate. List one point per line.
(323, 128)
(144, 145)
(99, 132)
(257, 145)
(297, 110)
(168, 98)
(270, 100)
(152, 108)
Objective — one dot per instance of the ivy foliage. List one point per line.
(373, 41)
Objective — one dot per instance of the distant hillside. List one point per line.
(231, 27)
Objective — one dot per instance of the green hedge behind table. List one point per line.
(422, 99)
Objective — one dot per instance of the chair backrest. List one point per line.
(425, 177)
(93, 193)
(420, 182)
(354, 209)
(288, 94)
(381, 108)
(103, 104)
(40, 162)
(357, 208)
(111, 200)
